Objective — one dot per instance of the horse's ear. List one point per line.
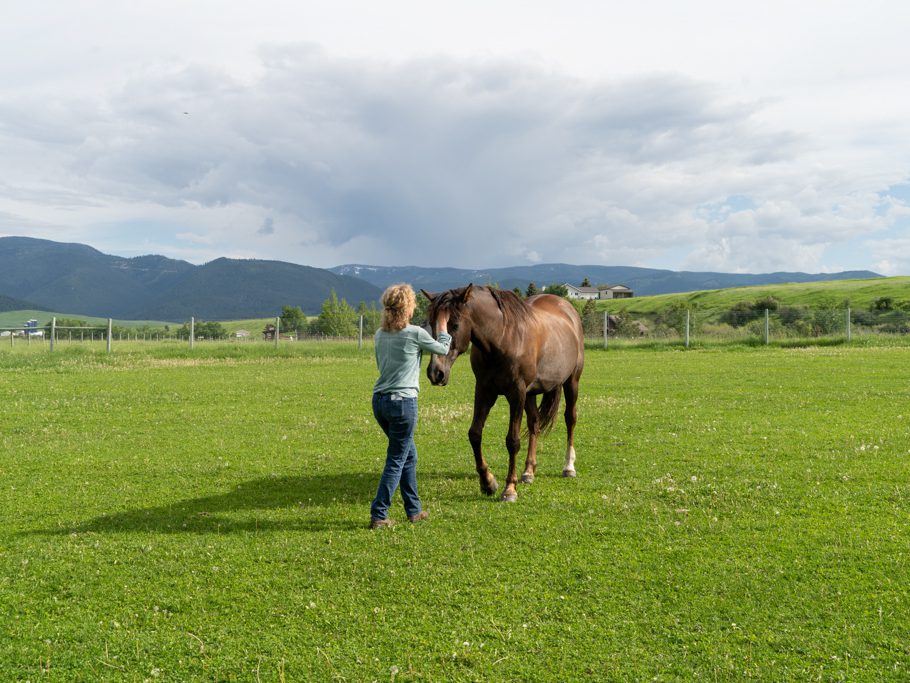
(428, 295)
(468, 292)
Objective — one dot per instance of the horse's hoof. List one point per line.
(568, 473)
(509, 497)
(489, 488)
(527, 478)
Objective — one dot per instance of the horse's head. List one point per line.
(455, 303)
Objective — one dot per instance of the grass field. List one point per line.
(860, 294)
(168, 515)
(17, 319)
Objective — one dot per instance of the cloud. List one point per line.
(892, 255)
(267, 228)
(445, 162)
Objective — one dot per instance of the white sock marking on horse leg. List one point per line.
(569, 469)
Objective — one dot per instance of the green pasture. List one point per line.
(859, 294)
(18, 318)
(175, 515)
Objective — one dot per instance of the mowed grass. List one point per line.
(169, 515)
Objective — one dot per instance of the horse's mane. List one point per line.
(514, 309)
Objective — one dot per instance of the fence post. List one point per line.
(848, 324)
(360, 335)
(277, 331)
(767, 326)
(53, 331)
(110, 327)
(688, 316)
(192, 330)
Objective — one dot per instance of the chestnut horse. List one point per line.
(519, 349)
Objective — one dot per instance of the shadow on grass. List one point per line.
(282, 504)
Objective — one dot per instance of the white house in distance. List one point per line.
(613, 292)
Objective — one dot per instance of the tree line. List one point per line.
(337, 318)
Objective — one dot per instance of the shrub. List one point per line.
(767, 303)
(740, 314)
(591, 319)
(790, 315)
(674, 317)
(827, 318)
(775, 327)
(882, 303)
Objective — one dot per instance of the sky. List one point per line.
(700, 135)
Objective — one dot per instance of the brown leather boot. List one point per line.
(381, 523)
(419, 517)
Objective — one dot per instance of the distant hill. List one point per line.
(643, 281)
(859, 293)
(251, 288)
(81, 280)
(10, 304)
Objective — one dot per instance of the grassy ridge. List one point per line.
(18, 318)
(860, 293)
(175, 516)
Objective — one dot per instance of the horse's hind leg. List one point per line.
(533, 432)
(513, 444)
(570, 389)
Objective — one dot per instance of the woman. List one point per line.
(399, 348)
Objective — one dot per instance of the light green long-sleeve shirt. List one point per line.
(398, 356)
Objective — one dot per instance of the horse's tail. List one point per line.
(549, 409)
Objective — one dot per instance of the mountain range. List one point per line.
(79, 280)
(642, 281)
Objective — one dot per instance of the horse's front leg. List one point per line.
(513, 444)
(483, 403)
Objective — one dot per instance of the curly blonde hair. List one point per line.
(399, 302)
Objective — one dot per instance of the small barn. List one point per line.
(616, 292)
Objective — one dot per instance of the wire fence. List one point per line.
(677, 325)
(754, 325)
(191, 333)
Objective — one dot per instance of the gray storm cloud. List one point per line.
(448, 162)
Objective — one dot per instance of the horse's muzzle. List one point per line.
(437, 376)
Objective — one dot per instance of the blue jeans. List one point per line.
(398, 418)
